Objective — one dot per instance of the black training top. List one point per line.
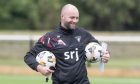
(68, 46)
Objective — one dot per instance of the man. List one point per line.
(67, 43)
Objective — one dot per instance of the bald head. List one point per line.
(69, 8)
(69, 16)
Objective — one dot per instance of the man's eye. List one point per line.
(74, 17)
(77, 17)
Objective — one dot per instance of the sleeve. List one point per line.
(30, 57)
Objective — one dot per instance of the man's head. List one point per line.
(69, 16)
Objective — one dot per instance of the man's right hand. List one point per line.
(44, 70)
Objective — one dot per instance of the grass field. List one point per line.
(113, 63)
(6, 78)
(21, 79)
(125, 57)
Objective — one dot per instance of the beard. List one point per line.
(69, 26)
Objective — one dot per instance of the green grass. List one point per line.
(114, 80)
(15, 62)
(113, 63)
(22, 79)
(121, 63)
(39, 79)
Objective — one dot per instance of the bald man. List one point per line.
(67, 42)
(69, 17)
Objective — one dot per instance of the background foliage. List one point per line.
(100, 15)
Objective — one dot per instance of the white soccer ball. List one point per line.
(46, 58)
(93, 52)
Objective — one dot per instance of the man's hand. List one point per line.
(105, 57)
(44, 70)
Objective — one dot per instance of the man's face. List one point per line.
(70, 19)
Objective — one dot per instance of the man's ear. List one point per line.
(62, 17)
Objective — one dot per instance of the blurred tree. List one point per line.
(94, 14)
(135, 14)
(30, 14)
(48, 11)
(108, 14)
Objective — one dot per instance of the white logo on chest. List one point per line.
(72, 55)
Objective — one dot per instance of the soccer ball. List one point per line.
(93, 52)
(46, 58)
